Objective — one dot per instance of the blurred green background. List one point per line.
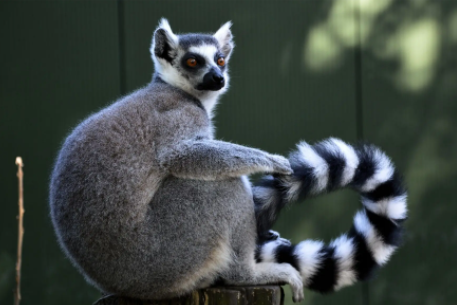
(380, 70)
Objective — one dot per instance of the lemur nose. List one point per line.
(213, 80)
(218, 79)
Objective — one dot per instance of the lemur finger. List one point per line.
(280, 165)
(273, 235)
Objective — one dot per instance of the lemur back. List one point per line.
(106, 177)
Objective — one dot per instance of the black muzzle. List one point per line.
(213, 80)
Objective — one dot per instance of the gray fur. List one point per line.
(148, 205)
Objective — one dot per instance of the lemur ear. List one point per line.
(225, 38)
(165, 42)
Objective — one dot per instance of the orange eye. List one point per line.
(191, 62)
(221, 61)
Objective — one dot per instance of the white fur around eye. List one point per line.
(207, 51)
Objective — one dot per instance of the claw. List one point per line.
(298, 299)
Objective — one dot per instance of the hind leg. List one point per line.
(244, 269)
(269, 199)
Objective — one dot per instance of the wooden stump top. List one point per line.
(231, 295)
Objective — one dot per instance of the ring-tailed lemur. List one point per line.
(147, 204)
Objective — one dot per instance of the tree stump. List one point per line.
(227, 295)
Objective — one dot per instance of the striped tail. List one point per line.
(377, 227)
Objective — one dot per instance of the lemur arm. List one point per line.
(216, 160)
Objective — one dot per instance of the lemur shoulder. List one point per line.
(147, 204)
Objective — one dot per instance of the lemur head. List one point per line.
(195, 63)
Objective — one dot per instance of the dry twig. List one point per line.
(20, 176)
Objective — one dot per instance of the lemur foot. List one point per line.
(295, 281)
(273, 235)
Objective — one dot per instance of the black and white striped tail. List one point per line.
(377, 227)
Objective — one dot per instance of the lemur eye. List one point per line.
(221, 61)
(191, 62)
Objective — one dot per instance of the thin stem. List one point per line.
(20, 176)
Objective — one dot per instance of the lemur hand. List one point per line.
(280, 165)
